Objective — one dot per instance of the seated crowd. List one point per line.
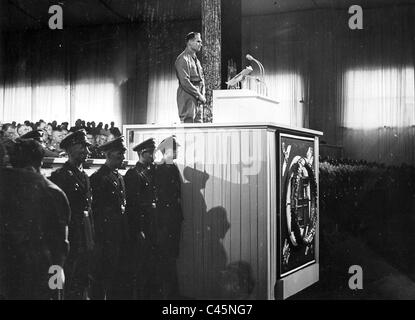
(51, 134)
(372, 201)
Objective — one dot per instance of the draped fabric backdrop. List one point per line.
(1, 73)
(266, 39)
(121, 73)
(62, 75)
(378, 90)
(357, 85)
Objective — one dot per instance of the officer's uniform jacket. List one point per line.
(189, 73)
(142, 201)
(108, 205)
(168, 184)
(76, 185)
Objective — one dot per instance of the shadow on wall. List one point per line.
(237, 281)
(203, 269)
(216, 225)
(191, 265)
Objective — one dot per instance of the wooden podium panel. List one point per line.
(235, 215)
(247, 106)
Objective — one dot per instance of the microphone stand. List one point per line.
(263, 87)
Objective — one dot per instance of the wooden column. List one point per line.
(221, 34)
(211, 51)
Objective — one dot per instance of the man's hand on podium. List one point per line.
(202, 98)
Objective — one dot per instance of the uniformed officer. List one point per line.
(34, 218)
(72, 179)
(38, 136)
(110, 223)
(142, 217)
(189, 72)
(168, 185)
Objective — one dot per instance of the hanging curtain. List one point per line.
(357, 86)
(378, 88)
(17, 97)
(88, 73)
(268, 40)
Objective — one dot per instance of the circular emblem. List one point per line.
(301, 203)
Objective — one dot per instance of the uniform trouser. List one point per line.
(113, 286)
(156, 276)
(169, 239)
(77, 271)
(147, 275)
(169, 281)
(187, 106)
(111, 280)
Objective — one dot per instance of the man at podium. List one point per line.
(189, 72)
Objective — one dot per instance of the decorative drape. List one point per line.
(378, 89)
(1, 73)
(265, 39)
(94, 73)
(357, 85)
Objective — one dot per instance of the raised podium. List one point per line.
(250, 206)
(247, 106)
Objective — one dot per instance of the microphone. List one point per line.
(261, 67)
(261, 70)
(249, 57)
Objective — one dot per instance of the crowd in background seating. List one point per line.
(53, 133)
(371, 201)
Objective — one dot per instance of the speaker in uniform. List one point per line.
(189, 73)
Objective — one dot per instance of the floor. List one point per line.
(380, 279)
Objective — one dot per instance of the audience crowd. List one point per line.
(371, 201)
(53, 134)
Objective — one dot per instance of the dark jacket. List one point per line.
(168, 185)
(76, 185)
(109, 215)
(141, 201)
(34, 215)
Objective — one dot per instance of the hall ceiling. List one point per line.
(32, 14)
